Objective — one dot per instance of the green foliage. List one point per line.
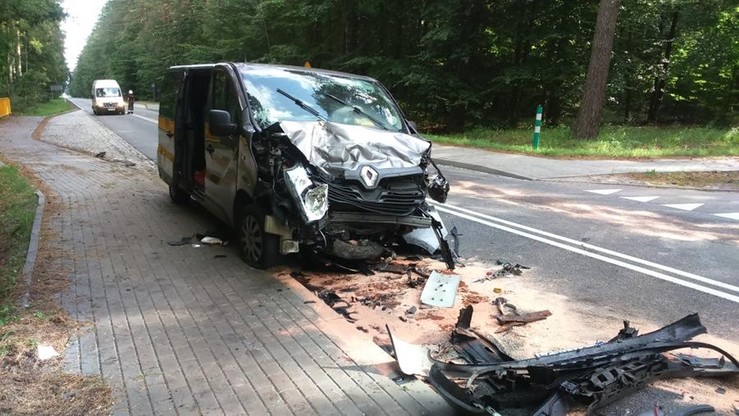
(31, 50)
(452, 65)
(49, 108)
(17, 210)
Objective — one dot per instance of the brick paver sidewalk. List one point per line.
(185, 330)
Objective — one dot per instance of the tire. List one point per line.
(177, 194)
(258, 249)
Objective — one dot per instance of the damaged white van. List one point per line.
(299, 160)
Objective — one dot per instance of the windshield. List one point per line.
(107, 92)
(339, 99)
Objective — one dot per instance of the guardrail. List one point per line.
(4, 106)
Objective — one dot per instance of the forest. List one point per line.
(452, 65)
(31, 51)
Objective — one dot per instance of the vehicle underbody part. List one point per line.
(591, 376)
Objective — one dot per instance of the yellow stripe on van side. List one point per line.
(166, 124)
(165, 153)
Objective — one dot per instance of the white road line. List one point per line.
(589, 251)
(729, 215)
(640, 198)
(684, 207)
(145, 118)
(604, 191)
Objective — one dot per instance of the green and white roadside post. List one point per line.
(537, 125)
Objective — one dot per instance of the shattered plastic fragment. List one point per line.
(412, 359)
(46, 352)
(211, 241)
(440, 290)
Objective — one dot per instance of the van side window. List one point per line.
(223, 95)
(168, 94)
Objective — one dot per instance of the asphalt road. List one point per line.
(620, 253)
(138, 129)
(637, 260)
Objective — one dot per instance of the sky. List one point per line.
(81, 18)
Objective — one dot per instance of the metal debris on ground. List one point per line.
(393, 268)
(591, 376)
(209, 238)
(181, 242)
(440, 290)
(100, 155)
(336, 303)
(515, 318)
(508, 269)
(453, 237)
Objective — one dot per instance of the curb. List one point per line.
(478, 168)
(27, 273)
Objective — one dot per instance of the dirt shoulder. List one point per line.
(706, 180)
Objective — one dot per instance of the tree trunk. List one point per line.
(594, 93)
(660, 80)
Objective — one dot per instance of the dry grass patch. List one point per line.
(728, 181)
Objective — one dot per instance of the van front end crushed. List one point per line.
(356, 202)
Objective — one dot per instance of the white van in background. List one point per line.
(107, 97)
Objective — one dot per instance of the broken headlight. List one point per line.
(438, 188)
(312, 199)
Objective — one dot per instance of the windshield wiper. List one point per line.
(358, 110)
(302, 105)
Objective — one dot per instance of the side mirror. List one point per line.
(219, 123)
(92, 97)
(414, 126)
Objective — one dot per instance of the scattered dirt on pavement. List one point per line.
(373, 301)
(708, 180)
(728, 181)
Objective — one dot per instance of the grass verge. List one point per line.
(612, 142)
(49, 108)
(17, 210)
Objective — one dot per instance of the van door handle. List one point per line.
(210, 149)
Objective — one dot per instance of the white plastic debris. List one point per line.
(440, 290)
(412, 359)
(211, 241)
(46, 352)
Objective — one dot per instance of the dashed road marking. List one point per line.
(604, 191)
(684, 207)
(640, 198)
(729, 215)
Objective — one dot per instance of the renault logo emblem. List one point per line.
(369, 176)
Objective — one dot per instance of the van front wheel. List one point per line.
(177, 194)
(258, 248)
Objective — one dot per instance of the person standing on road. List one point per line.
(131, 100)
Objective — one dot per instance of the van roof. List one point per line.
(246, 66)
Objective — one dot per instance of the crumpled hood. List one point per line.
(341, 146)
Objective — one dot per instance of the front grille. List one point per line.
(393, 196)
(109, 105)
